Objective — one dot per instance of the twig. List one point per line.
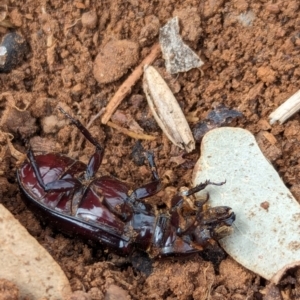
(138, 136)
(286, 109)
(126, 86)
(20, 157)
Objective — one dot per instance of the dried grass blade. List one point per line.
(166, 110)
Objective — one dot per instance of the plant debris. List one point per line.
(166, 110)
(122, 55)
(286, 109)
(178, 56)
(4, 19)
(125, 87)
(135, 135)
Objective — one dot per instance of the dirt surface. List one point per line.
(251, 54)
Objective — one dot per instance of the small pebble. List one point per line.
(266, 74)
(149, 31)
(114, 60)
(89, 19)
(114, 292)
(51, 124)
(18, 122)
(12, 50)
(78, 89)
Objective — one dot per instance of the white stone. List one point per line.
(265, 240)
(27, 264)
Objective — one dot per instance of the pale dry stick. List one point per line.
(66, 29)
(12, 103)
(286, 109)
(137, 136)
(6, 23)
(126, 86)
(20, 157)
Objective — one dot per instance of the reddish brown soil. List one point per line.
(250, 66)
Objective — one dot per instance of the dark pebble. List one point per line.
(12, 50)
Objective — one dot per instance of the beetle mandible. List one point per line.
(66, 193)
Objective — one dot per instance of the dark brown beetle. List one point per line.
(65, 193)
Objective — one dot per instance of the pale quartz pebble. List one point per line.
(266, 236)
(51, 124)
(246, 18)
(286, 109)
(178, 56)
(27, 264)
(166, 110)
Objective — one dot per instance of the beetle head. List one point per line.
(213, 224)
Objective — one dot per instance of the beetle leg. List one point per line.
(177, 203)
(178, 199)
(96, 159)
(200, 187)
(150, 157)
(191, 225)
(150, 188)
(61, 185)
(94, 164)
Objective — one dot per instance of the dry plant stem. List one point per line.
(7, 24)
(286, 109)
(20, 157)
(12, 103)
(138, 136)
(126, 86)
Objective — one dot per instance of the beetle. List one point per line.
(68, 195)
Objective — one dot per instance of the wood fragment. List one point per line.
(138, 136)
(126, 86)
(286, 109)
